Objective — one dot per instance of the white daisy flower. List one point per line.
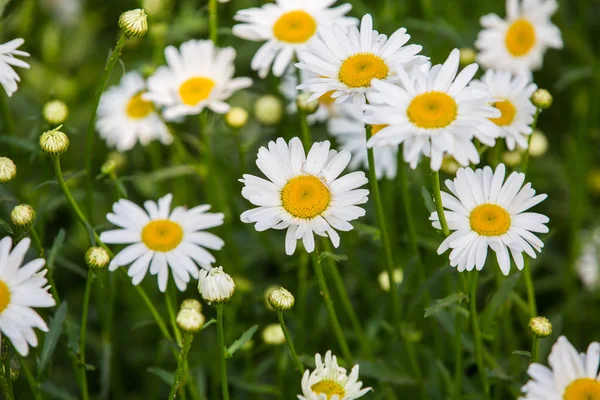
(304, 193)
(287, 26)
(348, 129)
(571, 376)
(588, 261)
(198, 76)
(346, 60)
(124, 117)
(21, 288)
(484, 211)
(518, 43)
(512, 97)
(329, 381)
(159, 238)
(8, 76)
(434, 113)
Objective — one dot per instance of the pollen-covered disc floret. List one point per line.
(485, 212)
(571, 376)
(160, 239)
(518, 42)
(215, 286)
(8, 60)
(287, 27)
(304, 194)
(433, 112)
(329, 381)
(21, 288)
(134, 23)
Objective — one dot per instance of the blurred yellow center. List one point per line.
(139, 108)
(520, 37)
(490, 220)
(376, 128)
(583, 389)
(194, 90)
(360, 69)
(508, 113)
(4, 296)
(432, 110)
(162, 235)
(295, 27)
(305, 196)
(328, 388)
(326, 99)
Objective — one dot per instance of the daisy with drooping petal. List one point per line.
(435, 112)
(159, 238)
(329, 381)
(485, 211)
(518, 43)
(287, 26)
(571, 376)
(198, 76)
(21, 288)
(346, 60)
(124, 117)
(304, 193)
(8, 76)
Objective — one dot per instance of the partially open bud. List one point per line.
(55, 112)
(97, 257)
(384, 279)
(192, 304)
(22, 216)
(268, 110)
(8, 169)
(540, 327)
(467, 56)
(134, 23)
(541, 98)
(215, 286)
(538, 144)
(308, 107)
(54, 142)
(281, 299)
(273, 335)
(190, 320)
(236, 117)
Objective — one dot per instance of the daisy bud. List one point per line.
(512, 158)
(538, 144)
(215, 286)
(541, 98)
(134, 23)
(54, 142)
(467, 56)
(192, 304)
(190, 320)
(114, 162)
(266, 295)
(268, 110)
(540, 327)
(281, 299)
(449, 165)
(8, 169)
(55, 112)
(384, 279)
(22, 216)
(97, 257)
(236, 117)
(273, 335)
(308, 107)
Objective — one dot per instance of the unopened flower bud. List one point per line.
(308, 107)
(114, 162)
(215, 286)
(236, 117)
(384, 279)
(55, 112)
(281, 299)
(273, 335)
(268, 110)
(540, 327)
(134, 23)
(541, 98)
(538, 144)
(512, 158)
(97, 257)
(192, 304)
(22, 216)
(8, 169)
(190, 320)
(449, 165)
(467, 56)
(54, 142)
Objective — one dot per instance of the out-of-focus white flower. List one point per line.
(8, 60)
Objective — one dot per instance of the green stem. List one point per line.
(9, 123)
(497, 152)
(427, 9)
(159, 320)
(301, 303)
(82, 333)
(305, 129)
(535, 347)
(290, 343)
(213, 20)
(458, 347)
(5, 381)
(38, 245)
(33, 385)
(221, 344)
(435, 184)
(525, 162)
(171, 298)
(477, 335)
(240, 149)
(532, 307)
(187, 343)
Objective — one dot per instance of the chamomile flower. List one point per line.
(518, 43)
(288, 87)
(484, 211)
(588, 262)
(304, 193)
(349, 130)
(8, 76)
(21, 288)
(571, 376)
(346, 60)
(434, 113)
(287, 26)
(159, 238)
(125, 117)
(330, 381)
(198, 76)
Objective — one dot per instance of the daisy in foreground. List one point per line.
(125, 118)
(304, 193)
(329, 381)
(8, 76)
(484, 211)
(159, 238)
(434, 113)
(198, 76)
(518, 43)
(287, 26)
(571, 376)
(21, 288)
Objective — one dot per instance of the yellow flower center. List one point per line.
(295, 27)
(520, 37)
(376, 128)
(139, 108)
(490, 220)
(326, 99)
(196, 89)
(360, 69)
(508, 111)
(583, 389)
(4, 296)
(432, 110)
(329, 388)
(162, 235)
(305, 196)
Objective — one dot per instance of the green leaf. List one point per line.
(166, 376)
(6, 226)
(428, 199)
(383, 373)
(447, 302)
(55, 329)
(164, 174)
(255, 387)
(56, 392)
(522, 353)
(333, 256)
(235, 346)
(55, 249)
(20, 143)
(367, 230)
(498, 299)
(209, 323)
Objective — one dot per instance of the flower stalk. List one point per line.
(181, 363)
(435, 183)
(477, 335)
(222, 350)
(290, 343)
(5, 381)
